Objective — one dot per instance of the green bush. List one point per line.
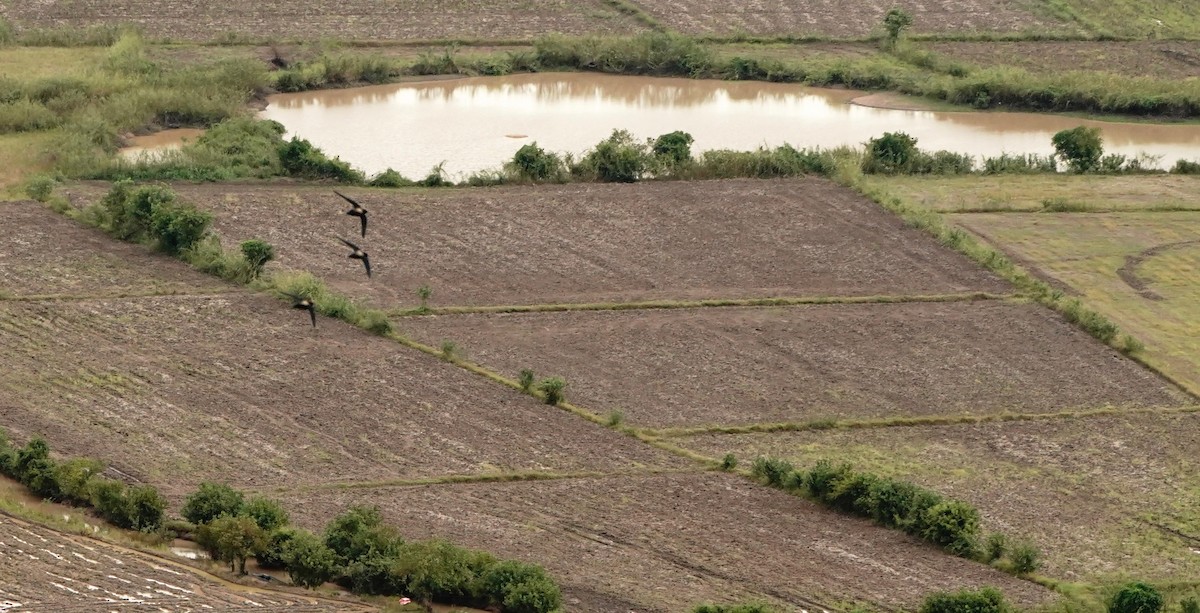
(782, 161)
(851, 493)
(1136, 597)
(894, 503)
(390, 178)
(532, 163)
(772, 471)
(954, 525)
(526, 380)
(674, 147)
(753, 607)
(360, 531)
(300, 159)
(440, 571)
(257, 253)
(74, 475)
(518, 587)
(553, 389)
(310, 563)
(1189, 605)
(1185, 167)
(995, 547)
(892, 153)
(1014, 163)
(986, 600)
(146, 507)
(823, 478)
(616, 159)
(231, 539)
(210, 501)
(895, 22)
(1081, 147)
(178, 227)
(729, 462)
(1025, 558)
(40, 187)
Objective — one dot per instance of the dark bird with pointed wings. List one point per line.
(356, 210)
(358, 254)
(300, 302)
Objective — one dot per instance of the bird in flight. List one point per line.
(358, 254)
(300, 302)
(356, 210)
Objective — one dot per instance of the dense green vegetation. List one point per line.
(79, 481)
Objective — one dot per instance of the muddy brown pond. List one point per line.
(477, 124)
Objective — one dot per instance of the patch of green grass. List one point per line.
(1138, 18)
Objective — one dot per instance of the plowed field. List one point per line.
(365, 20)
(839, 18)
(44, 570)
(1100, 496)
(597, 243)
(682, 367)
(662, 543)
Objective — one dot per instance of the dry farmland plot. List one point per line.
(307, 20)
(44, 254)
(239, 387)
(686, 367)
(840, 18)
(1101, 496)
(44, 570)
(1161, 59)
(1139, 269)
(587, 243)
(1028, 193)
(661, 543)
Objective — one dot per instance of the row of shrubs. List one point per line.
(951, 524)
(359, 552)
(79, 482)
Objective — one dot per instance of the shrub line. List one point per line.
(695, 304)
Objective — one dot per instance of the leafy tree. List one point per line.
(359, 531)
(257, 254)
(108, 498)
(1081, 147)
(271, 555)
(233, 539)
(675, 147)
(517, 586)
(892, 153)
(533, 596)
(178, 227)
(1136, 597)
(211, 501)
(73, 477)
(533, 163)
(895, 22)
(439, 570)
(309, 561)
(267, 513)
(145, 507)
(616, 159)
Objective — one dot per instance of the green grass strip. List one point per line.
(695, 304)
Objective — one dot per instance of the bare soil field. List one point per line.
(239, 387)
(662, 543)
(360, 20)
(840, 19)
(1101, 496)
(1161, 59)
(596, 243)
(1138, 268)
(46, 254)
(687, 367)
(45, 570)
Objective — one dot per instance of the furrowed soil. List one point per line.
(240, 388)
(667, 542)
(585, 243)
(841, 19)
(45, 254)
(358, 20)
(45, 570)
(1161, 59)
(688, 367)
(1139, 269)
(1100, 496)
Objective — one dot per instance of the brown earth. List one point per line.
(596, 242)
(839, 18)
(1101, 496)
(45, 570)
(45, 254)
(736, 366)
(662, 543)
(1159, 59)
(361, 20)
(238, 387)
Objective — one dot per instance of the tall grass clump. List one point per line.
(763, 163)
(553, 390)
(653, 53)
(1013, 163)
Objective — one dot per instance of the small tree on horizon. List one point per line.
(895, 22)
